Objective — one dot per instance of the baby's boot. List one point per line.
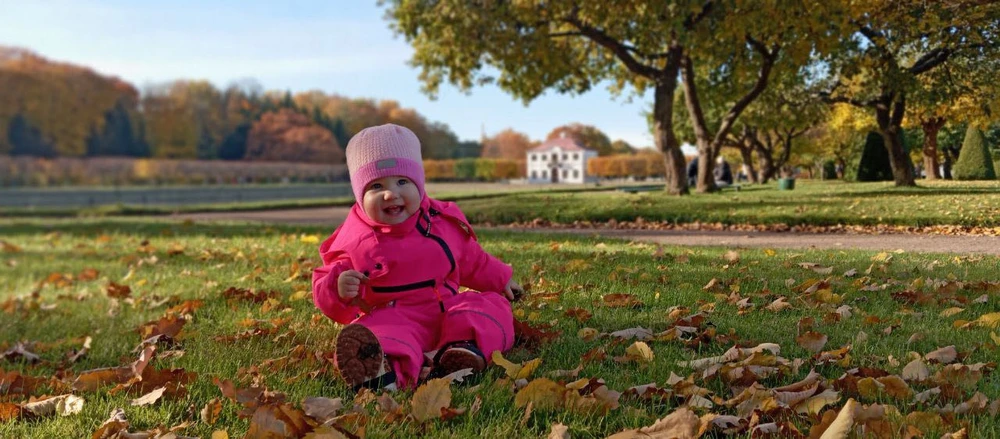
(360, 359)
(456, 356)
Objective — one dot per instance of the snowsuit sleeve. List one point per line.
(325, 294)
(479, 270)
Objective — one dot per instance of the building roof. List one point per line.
(564, 143)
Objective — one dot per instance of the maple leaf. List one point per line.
(278, 421)
(430, 399)
(638, 352)
(118, 291)
(93, 379)
(680, 424)
(620, 300)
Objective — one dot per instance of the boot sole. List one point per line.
(454, 360)
(359, 355)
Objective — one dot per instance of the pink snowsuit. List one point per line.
(414, 271)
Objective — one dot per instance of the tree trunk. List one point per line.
(931, 128)
(889, 115)
(767, 168)
(663, 133)
(746, 152)
(705, 182)
(948, 156)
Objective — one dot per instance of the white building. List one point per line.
(559, 160)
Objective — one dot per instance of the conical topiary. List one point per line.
(874, 164)
(974, 161)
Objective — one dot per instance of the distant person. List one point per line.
(692, 171)
(393, 269)
(722, 173)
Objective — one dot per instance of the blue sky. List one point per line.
(342, 47)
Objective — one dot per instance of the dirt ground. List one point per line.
(333, 216)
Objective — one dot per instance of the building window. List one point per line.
(545, 174)
(576, 156)
(565, 157)
(576, 173)
(555, 156)
(534, 174)
(565, 173)
(534, 157)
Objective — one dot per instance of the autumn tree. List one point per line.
(64, 102)
(587, 136)
(894, 44)
(507, 144)
(25, 139)
(620, 146)
(287, 135)
(565, 45)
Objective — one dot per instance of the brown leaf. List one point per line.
(114, 427)
(278, 421)
(943, 355)
(93, 379)
(430, 398)
(210, 413)
(811, 341)
(9, 411)
(916, 370)
(322, 409)
(168, 326)
(843, 423)
(680, 424)
(20, 352)
(731, 256)
(118, 291)
(581, 315)
(778, 305)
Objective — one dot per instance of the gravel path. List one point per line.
(333, 216)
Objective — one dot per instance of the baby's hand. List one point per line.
(513, 290)
(349, 284)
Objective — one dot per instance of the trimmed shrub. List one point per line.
(874, 164)
(974, 161)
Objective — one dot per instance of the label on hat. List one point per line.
(385, 164)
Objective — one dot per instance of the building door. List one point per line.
(555, 174)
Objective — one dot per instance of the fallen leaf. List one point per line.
(943, 355)
(559, 431)
(149, 398)
(639, 352)
(322, 409)
(540, 393)
(62, 405)
(325, 432)
(516, 371)
(991, 320)
(210, 413)
(951, 311)
(842, 425)
(680, 424)
(430, 398)
(731, 256)
(812, 341)
(916, 370)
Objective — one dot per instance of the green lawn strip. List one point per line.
(217, 256)
(153, 209)
(820, 203)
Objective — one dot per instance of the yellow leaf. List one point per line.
(991, 320)
(516, 371)
(842, 425)
(770, 252)
(541, 393)
(301, 294)
(220, 434)
(430, 398)
(587, 334)
(814, 404)
(640, 352)
(995, 337)
(951, 311)
(309, 239)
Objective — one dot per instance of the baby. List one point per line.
(394, 268)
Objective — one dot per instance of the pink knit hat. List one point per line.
(383, 151)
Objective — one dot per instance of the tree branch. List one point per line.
(617, 47)
(930, 60)
(765, 72)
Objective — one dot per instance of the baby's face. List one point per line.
(391, 200)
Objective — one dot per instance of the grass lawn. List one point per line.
(887, 310)
(812, 202)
